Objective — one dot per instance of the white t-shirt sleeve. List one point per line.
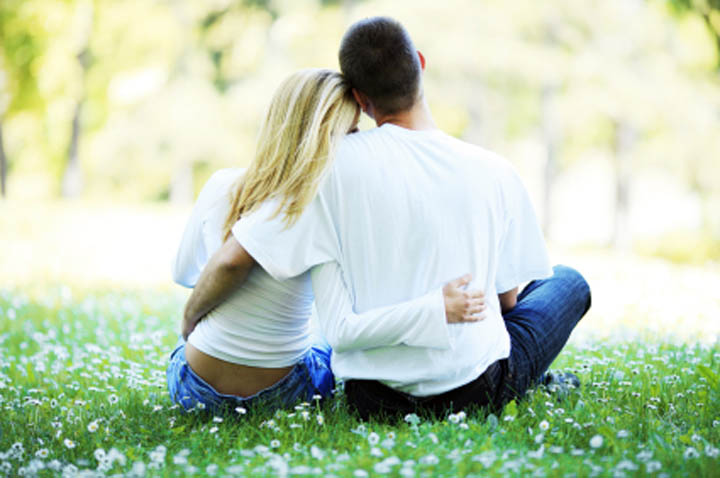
(523, 253)
(283, 251)
(419, 322)
(192, 254)
(203, 232)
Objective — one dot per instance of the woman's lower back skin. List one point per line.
(231, 378)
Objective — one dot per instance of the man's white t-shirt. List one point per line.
(401, 213)
(265, 323)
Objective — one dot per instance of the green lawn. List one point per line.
(82, 390)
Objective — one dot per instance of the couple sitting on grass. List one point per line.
(411, 245)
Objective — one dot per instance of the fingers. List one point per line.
(470, 318)
(474, 311)
(478, 309)
(462, 306)
(474, 299)
(473, 318)
(467, 318)
(461, 281)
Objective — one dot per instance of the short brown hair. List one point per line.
(379, 59)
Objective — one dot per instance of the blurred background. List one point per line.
(114, 113)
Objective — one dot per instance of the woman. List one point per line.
(256, 347)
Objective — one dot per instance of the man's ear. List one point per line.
(363, 101)
(422, 60)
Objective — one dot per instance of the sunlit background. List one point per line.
(114, 113)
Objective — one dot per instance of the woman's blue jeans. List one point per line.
(309, 378)
(539, 325)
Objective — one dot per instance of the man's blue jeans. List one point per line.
(539, 326)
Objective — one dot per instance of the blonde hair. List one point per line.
(310, 111)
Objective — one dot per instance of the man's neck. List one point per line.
(416, 118)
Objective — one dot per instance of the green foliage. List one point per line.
(155, 63)
(82, 387)
(23, 41)
(708, 11)
(178, 89)
(690, 4)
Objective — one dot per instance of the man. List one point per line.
(404, 209)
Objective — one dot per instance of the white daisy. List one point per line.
(690, 452)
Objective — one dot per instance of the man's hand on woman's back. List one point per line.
(463, 305)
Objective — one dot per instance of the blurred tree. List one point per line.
(227, 32)
(549, 124)
(3, 165)
(623, 141)
(21, 43)
(216, 35)
(702, 166)
(181, 182)
(709, 11)
(551, 140)
(162, 93)
(72, 179)
(213, 29)
(220, 28)
(571, 82)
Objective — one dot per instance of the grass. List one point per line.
(82, 391)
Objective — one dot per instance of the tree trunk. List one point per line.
(72, 181)
(624, 141)
(3, 166)
(551, 141)
(715, 34)
(181, 182)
